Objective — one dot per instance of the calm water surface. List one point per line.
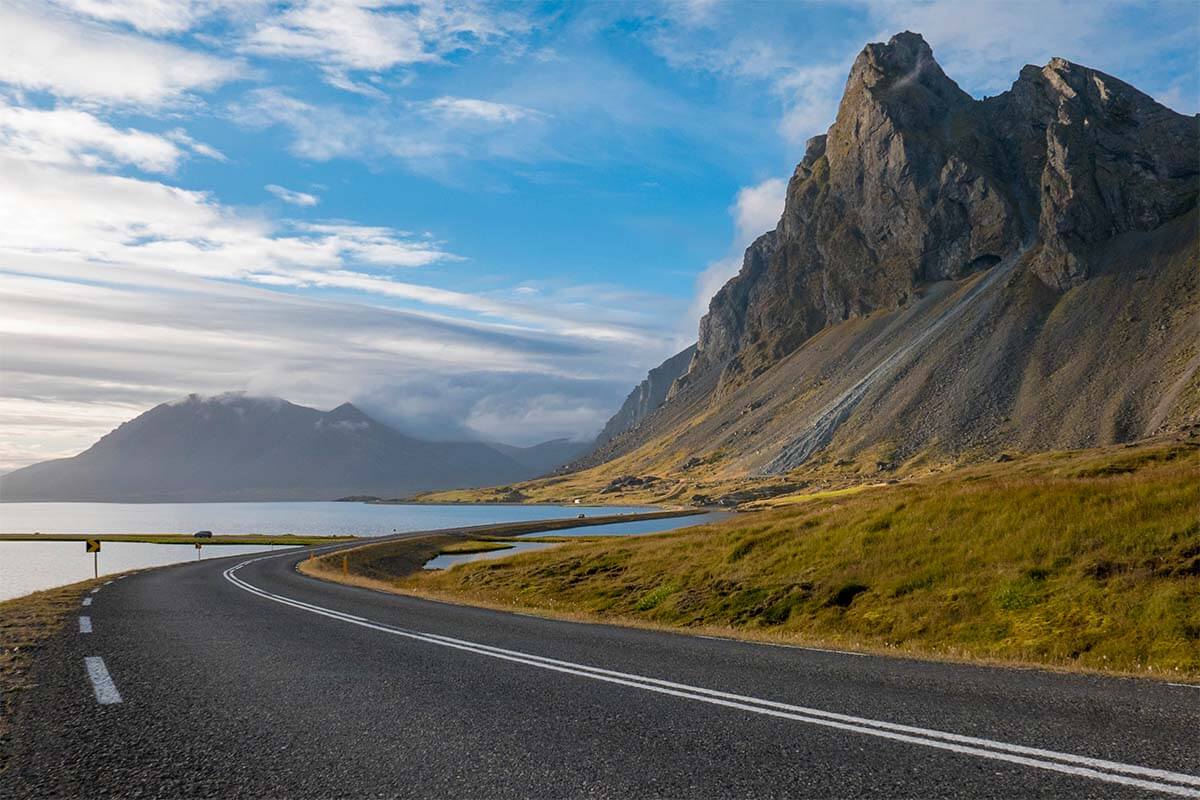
(445, 562)
(31, 566)
(615, 529)
(356, 519)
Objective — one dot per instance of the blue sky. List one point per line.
(476, 220)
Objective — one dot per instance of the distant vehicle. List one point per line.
(203, 534)
(581, 516)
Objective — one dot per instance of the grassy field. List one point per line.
(175, 538)
(1087, 559)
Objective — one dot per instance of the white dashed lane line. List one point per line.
(87, 601)
(85, 624)
(94, 590)
(106, 583)
(102, 682)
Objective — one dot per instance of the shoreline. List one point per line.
(218, 540)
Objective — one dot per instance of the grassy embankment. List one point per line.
(177, 538)
(25, 625)
(1087, 559)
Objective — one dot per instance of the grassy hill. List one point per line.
(1087, 559)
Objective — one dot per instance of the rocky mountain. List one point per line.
(234, 447)
(954, 276)
(647, 396)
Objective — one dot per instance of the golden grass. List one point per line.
(1087, 559)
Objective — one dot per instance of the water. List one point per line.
(447, 561)
(31, 566)
(636, 528)
(639, 527)
(313, 518)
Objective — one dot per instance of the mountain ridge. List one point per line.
(238, 447)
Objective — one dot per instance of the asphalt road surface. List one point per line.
(241, 677)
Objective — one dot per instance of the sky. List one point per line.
(474, 220)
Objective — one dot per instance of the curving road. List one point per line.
(234, 677)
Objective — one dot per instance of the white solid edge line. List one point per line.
(805, 648)
(85, 624)
(1184, 685)
(102, 682)
(948, 741)
(87, 601)
(490, 650)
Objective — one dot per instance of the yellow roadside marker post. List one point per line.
(93, 546)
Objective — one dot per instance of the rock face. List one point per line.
(918, 182)
(647, 396)
(954, 275)
(234, 447)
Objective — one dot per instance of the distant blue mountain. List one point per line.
(236, 447)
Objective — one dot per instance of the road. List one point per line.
(236, 677)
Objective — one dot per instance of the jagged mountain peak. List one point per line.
(957, 274)
(905, 62)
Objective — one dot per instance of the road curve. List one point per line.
(242, 677)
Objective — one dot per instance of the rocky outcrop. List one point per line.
(917, 182)
(1100, 158)
(953, 276)
(647, 395)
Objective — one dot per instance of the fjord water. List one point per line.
(632, 528)
(31, 566)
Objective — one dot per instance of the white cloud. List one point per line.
(118, 220)
(294, 198)
(1178, 98)
(464, 109)
(94, 343)
(49, 51)
(115, 228)
(717, 38)
(72, 137)
(439, 136)
(755, 210)
(181, 137)
(496, 417)
(151, 16)
(374, 35)
(811, 95)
